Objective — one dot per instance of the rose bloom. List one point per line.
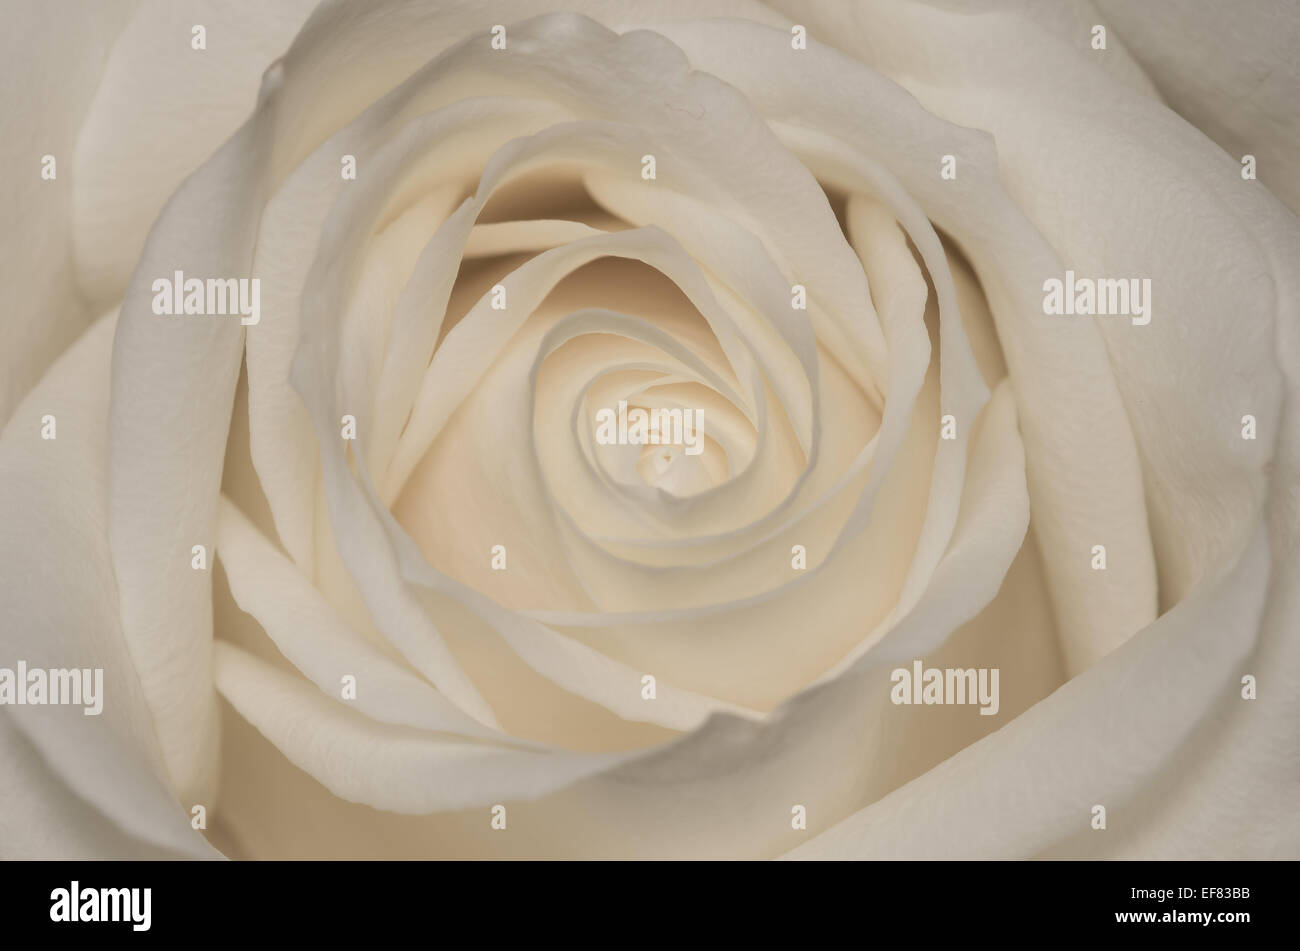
(363, 581)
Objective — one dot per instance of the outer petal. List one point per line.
(1131, 734)
(53, 56)
(1229, 69)
(44, 819)
(162, 108)
(173, 384)
(60, 611)
(391, 768)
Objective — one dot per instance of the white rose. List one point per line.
(511, 639)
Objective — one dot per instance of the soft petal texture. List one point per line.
(61, 611)
(44, 819)
(394, 769)
(54, 55)
(1131, 734)
(162, 108)
(304, 627)
(1229, 69)
(173, 384)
